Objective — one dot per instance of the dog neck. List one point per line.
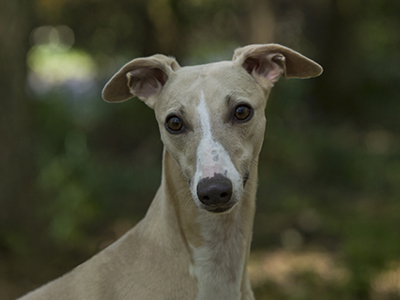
(218, 244)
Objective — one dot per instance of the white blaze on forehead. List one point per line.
(212, 158)
(207, 152)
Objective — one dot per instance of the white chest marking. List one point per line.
(219, 263)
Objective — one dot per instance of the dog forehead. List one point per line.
(216, 81)
(224, 72)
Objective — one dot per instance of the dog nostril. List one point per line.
(216, 190)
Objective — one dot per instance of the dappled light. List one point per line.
(386, 284)
(288, 272)
(53, 62)
(285, 269)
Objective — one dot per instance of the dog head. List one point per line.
(211, 117)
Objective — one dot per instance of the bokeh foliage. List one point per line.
(76, 172)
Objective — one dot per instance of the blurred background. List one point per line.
(76, 172)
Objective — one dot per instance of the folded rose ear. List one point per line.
(266, 63)
(142, 77)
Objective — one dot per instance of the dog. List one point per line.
(194, 241)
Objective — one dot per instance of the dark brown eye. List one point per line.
(174, 124)
(243, 113)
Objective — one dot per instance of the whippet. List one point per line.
(195, 239)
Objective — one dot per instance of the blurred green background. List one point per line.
(76, 172)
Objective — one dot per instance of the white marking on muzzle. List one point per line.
(212, 158)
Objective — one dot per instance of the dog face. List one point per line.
(212, 123)
(211, 117)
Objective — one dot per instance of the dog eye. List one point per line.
(243, 113)
(174, 124)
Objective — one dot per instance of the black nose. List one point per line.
(214, 191)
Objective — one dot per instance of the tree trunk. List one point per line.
(16, 145)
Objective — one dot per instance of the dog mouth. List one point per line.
(218, 209)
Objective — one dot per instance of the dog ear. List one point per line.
(141, 77)
(266, 63)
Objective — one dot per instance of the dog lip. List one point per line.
(218, 209)
(246, 178)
